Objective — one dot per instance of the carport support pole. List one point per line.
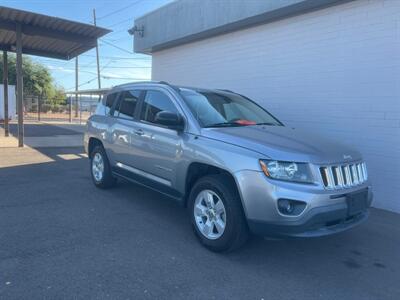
(76, 87)
(20, 88)
(5, 84)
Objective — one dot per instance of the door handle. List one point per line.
(139, 132)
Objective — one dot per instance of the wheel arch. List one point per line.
(196, 170)
(93, 142)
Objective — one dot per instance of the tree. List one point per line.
(37, 77)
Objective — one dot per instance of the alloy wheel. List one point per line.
(209, 214)
(98, 167)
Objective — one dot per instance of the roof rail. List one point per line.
(225, 90)
(150, 81)
(175, 88)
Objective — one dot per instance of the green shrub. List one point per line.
(45, 108)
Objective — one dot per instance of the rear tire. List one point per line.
(219, 222)
(100, 169)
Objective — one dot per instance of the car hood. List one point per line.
(284, 143)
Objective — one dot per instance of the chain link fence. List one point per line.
(75, 109)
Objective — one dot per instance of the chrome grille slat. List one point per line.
(343, 175)
(331, 183)
(339, 175)
(348, 176)
(364, 166)
(360, 173)
(354, 173)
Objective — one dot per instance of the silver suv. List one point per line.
(235, 167)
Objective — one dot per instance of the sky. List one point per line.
(117, 65)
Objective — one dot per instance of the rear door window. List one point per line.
(127, 104)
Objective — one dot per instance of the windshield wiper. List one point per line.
(225, 124)
(266, 123)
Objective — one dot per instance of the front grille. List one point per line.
(343, 176)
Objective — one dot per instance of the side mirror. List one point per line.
(169, 119)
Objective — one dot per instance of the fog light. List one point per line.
(291, 207)
(285, 206)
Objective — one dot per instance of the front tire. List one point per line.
(100, 169)
(216, 214)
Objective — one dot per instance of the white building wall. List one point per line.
(335, 71)
(11, 102)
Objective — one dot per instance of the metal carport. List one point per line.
(26, 32)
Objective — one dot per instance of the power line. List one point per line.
(107, 64)
(89, 81)
(127, 67)
(116, 47)
(118, 23)
(127, 78)
(108, 78)
(88, 64)
(117, 39)
(119, 57)
(105, 67)
(119, 10)
(43, 60)
(125, 34)
(59, 63)
(84, 71)
(118, 31)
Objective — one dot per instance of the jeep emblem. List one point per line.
(345, 156)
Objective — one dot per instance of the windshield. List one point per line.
(224, 109)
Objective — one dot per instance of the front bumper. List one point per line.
(326, 211)
(318, 222)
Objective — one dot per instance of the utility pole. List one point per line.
(97, 52)
(76, 87)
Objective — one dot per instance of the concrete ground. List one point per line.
(60, 237)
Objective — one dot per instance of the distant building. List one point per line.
(329, 66)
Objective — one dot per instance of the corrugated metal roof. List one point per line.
(45, 35)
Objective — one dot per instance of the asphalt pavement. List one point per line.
(62, 238)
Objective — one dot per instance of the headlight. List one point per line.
(284, 170)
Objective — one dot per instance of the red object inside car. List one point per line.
(245, 122)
